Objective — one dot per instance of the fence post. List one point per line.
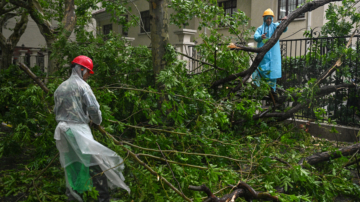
(183, 44)
(34, 53)
(22, 56)
(129, 40)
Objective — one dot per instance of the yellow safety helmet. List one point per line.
(268, 12)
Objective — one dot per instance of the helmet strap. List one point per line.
(83, 72)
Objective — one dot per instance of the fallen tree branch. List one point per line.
(37, 177)
(154, 92)
(205, 63)
(241, 190)
(151, 129)
(132, 154)
(284, 115)
(172, 172)
(338, 63)
(323, 91)
(180, 152)
(352, 163)
(184, 164)
(320, 92)
(325, 156)
(281, 161)
(34, 77)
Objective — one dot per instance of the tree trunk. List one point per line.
(6, 57)
(51, 62)
(159, 25)
(37, 14)
(8, 45)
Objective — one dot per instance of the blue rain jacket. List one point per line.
(270, 66)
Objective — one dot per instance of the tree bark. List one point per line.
(325, 156)
(240, 190)
(159, 25)
(34, 77)
(36, 12)
(6, 57)
(8, 45)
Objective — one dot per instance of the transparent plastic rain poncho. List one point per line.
(74, 103)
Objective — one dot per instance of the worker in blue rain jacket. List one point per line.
(270, 66)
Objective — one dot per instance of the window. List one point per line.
(229, 6)
(287, 6)
(125, 28)
(145, 18)
(107, 29)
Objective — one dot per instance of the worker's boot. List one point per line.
(100, 183)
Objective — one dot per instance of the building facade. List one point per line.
(32, 49)
(252, 8)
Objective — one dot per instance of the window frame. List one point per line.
(125, 34)
(223, 5)
(287, 8)
(106, 26)
(146, 21)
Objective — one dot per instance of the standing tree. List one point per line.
(159, 34)
(8, 11)
(47, 13)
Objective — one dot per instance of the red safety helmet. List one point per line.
(85, 62)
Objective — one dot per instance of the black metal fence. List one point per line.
(40, 61)
(194, 66)
(304, 60)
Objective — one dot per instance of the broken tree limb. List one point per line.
(147, 167)
(172, 172)
(320, 92)
(336, 65)
(205, 63)
(34, 77)
(183, 164)
(241, 190)
(151, 129)
(284, 115)
(323, 91)
(37, 177)
(325, 156)
(181, 152)
(155, 92)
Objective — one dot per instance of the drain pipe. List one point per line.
(309, 21)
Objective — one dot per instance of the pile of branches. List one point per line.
(242, 189)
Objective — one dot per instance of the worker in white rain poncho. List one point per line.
(270, 66)
(83, 158)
